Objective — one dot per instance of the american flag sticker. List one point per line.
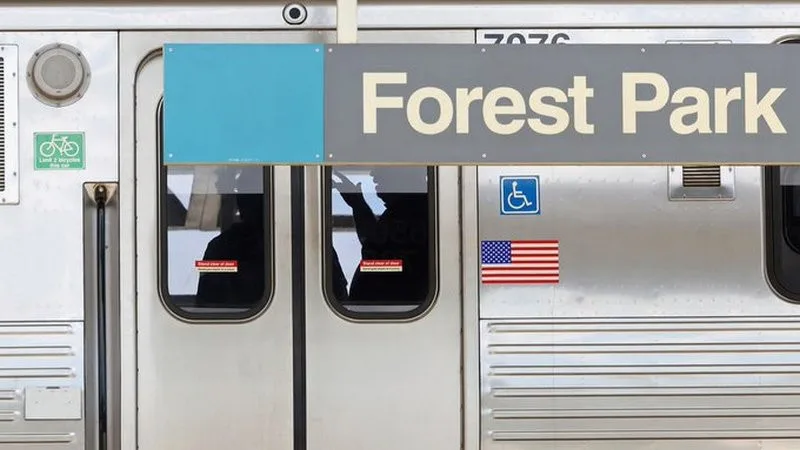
(519, 262)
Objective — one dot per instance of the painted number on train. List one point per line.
(521, 37)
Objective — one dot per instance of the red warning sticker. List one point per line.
(216, 266)
(381, 265)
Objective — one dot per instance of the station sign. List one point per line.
(459, 104)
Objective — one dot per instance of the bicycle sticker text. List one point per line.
(59, 150)
(520, 195)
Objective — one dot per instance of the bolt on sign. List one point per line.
(484, 104)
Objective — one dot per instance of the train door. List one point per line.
(631, 319)
(383, 299)
(215, 344)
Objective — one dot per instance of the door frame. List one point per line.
(137, 50)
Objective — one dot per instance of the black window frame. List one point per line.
(163, 252)
(433, 256)
(777, 201)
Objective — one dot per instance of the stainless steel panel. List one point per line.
(190, 373)
(470, 257)
(44, 278)
(38, 15)
(397, 383)
(129, 61)
(627, 250)
(648, 379)
(42, 385)
(387, 385)
(661, 333)
(639, 31)
(604, 216)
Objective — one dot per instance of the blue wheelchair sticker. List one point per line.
(519, 195)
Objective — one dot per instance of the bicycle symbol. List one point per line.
(62, 144)
(517, 199)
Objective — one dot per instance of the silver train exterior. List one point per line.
(673, 325)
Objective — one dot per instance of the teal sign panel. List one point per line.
(482, 104)
(243, 104)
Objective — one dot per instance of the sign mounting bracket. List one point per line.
(346, 21)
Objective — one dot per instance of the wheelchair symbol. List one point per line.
(517, 199)
(520, 195)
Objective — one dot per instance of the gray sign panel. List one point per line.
(564, 104)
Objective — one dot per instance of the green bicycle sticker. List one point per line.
(59, 150)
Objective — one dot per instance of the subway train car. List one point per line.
(146, 306)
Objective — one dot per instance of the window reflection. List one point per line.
(216, 238)
(380, 234)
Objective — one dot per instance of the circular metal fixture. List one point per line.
(294, 14)
(58, 74)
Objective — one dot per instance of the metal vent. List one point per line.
(701, 176)
(701, 182)
(9, 140)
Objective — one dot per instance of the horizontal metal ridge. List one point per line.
(43, 372)
(619, 435)
(646, 391)
(722, 320)
(35, 438)
(126, 16)
(36, 350)
(14, 329)
(642, 349)
(607, 327)
(642, 413)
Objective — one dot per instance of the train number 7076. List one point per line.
(521, 37)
